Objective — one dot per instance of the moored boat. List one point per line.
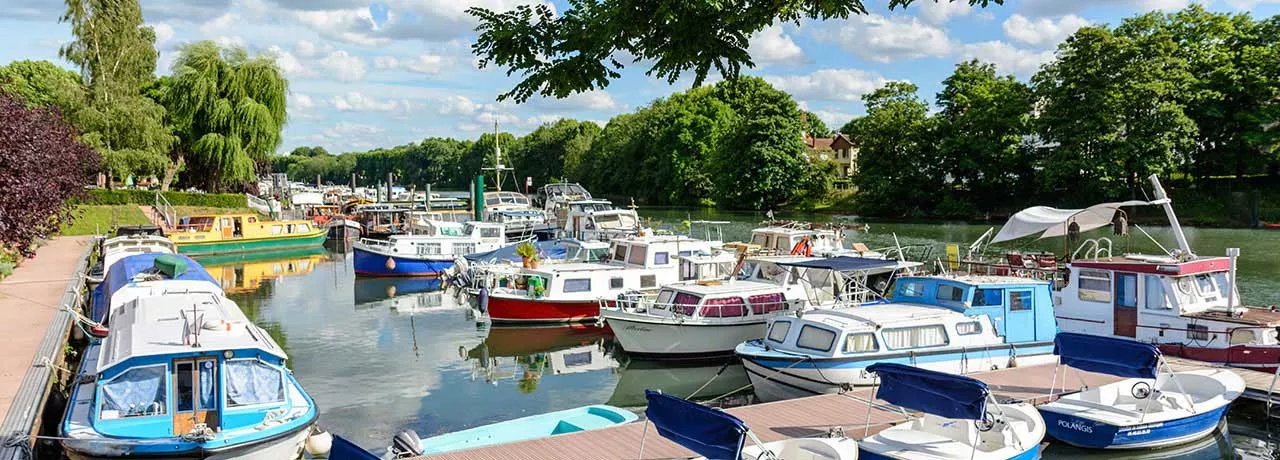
(960, 421)
(428, 254)
(585, 418)
(119, 247)
(185, 376)
(145, 275)
(233, 233)
(1149, 409)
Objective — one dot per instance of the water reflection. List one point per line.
(699, 381)
(524, 355)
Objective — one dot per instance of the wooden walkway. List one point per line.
(804, 417)
(1257, 385)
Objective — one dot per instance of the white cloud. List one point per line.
(430, 64)
(1043, 8)
(833, 119)
(302, 101)
(1006, 57)
(229, 40)
(941, 11)
(1246, 5)
(829, 84)
(342, 65)
(428, 20)
(309, 50)
(589, 100)
(164, 33)
(290, 64)
(218, 24)
(1043, 31)
(457, 105)
(353, 101)
(881, 39)
(346, 128)
(773, 46)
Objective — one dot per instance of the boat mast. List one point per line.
(497, 159)
(1163, 200)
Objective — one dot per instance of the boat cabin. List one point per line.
(114, 249)
(804, 242)
(654, 251)
(721, 299)
(222, 227)
(1021, 309)
(555, 196)
(503, 199)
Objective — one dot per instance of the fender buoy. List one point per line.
(484, 299)
(391, 263)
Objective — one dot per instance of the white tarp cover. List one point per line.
(307, 198)
(1051, 222)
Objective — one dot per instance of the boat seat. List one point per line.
(565, 427)
(963, 431)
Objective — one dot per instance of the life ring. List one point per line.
(803, 248)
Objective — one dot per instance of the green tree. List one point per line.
(117, 58)
(761, 163)
(479, 155)
(896, 158)
(305, 151)
(543, 153)
(229, 111)
(814, 126)
(560, 53)
(980, 135)
(44, 84)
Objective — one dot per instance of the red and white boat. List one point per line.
(571, 292)
(1185, 303)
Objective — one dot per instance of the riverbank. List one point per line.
(97, 219)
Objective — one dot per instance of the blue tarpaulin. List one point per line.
(843, 263)
(550, 250)
(343, 449)
(122, 272)
(938, 393)
(709, 432)
(1107, 355)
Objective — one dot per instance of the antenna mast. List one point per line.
(497, 158)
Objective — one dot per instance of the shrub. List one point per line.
(144, 197)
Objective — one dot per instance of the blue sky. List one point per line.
(365, 75)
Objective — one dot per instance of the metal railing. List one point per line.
(645, 304)
(259, 204)
(165, 210)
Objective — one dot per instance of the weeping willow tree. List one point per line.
(228, 109)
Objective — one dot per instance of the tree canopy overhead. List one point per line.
(583, 48)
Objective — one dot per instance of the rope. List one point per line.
(749, 385)
(20, 441)
(713, 378)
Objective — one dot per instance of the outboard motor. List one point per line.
(406, 444)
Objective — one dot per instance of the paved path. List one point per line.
(28, 300)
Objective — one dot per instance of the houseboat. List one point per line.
(956, 323)
(427, 254)
(1185, 303)
(380, 220)
(569, 292)
(595, 220)
(233, 233)
(119, 247)
(515, 212)
(146, 275)
(185, 376)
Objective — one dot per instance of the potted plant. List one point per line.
(528, 254)
(539, 291)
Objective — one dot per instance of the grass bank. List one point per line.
(94, 219)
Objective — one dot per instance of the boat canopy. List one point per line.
(1052, 222)
(709, 432)
(1122, 358)
(945, 395)
(551, 250)
(843, 263)
(124, 270)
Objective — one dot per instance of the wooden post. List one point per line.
(389, 194)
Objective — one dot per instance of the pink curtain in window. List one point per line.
(724, 308)
(765, 303)
(686, 303)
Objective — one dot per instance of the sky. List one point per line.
(365, 75)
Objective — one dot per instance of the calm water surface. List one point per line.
(380, 355)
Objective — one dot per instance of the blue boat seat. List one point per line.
(565, 427)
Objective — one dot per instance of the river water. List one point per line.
(382, 355)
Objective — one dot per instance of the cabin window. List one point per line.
(815, 338)
(1155, 299)
(988, 297)
(137, 392)
(288, 228)
(1197, 332)
(686, 253)
(577, 285)
(1223, 285)
(765, 303)
(429, 249)
(615, 283)
(1243, 337)
(464, 248)
(208, 385)
(968, 328)
(620, 252)
(250, 382)
(253, 219)
(727, 307)
(686, 303)
(949, 293)
(184, 387)
(304, 228)
(1094, 286)
(1020, 301)
(490, 233)
(778, 331)
(861, 342)
(648, 281)
(661, 258)
(912, 289)
(637, 255)
(277, 229)
(1205, 284)
(933, 335)
(664, 297)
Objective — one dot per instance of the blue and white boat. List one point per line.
(430, 253)
(716, 434)
(585, 418)
(137, 276)
(1148, 409)
(185, 376)
(955, 324)
(960, 419)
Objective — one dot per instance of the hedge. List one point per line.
(129, 196)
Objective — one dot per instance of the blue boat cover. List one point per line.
(1107, 355)
(550, 250)
(843, 263)
(709, 432)
(122, 272)
(945, 395)
(343, 449)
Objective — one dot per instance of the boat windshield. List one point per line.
(136, 392)
(616, 221)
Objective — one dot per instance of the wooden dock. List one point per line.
(815, 416)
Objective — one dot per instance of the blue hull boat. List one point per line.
(584, 418)
(368, 263)
(1082, 432)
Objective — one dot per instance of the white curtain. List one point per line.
(250, 381)
(138, 391)
(915, 337)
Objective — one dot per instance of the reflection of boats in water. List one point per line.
(246, 272)
(1220, 445)
(375, 289)
(535, 352)
(1252, 439)
(690, 380)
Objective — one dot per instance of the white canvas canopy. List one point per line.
(307, 199)
(1051, 222)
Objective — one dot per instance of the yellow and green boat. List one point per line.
(236, 233)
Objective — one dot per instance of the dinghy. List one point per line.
(961, 420)
(1148, 409)
(586, 418)
(716, 434)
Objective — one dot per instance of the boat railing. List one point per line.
(974, 267)
(1093, 248)
(648, 305)
(376, 242)
(165, 210)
